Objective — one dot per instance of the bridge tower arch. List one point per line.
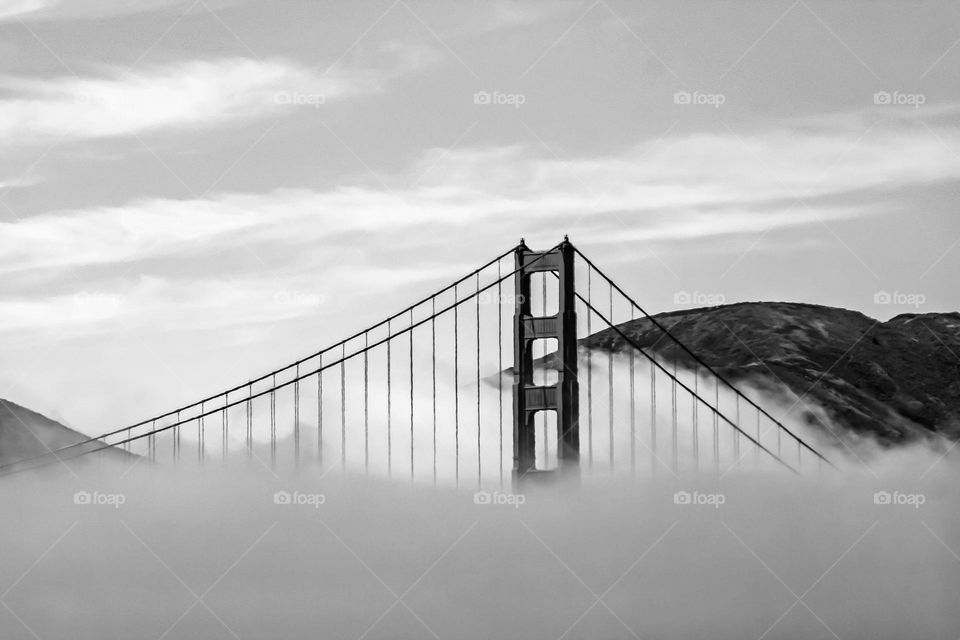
(563, 397)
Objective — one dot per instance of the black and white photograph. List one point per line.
(479, 319)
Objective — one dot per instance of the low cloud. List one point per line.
(341, 549)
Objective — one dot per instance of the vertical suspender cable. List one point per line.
(343, 406)
(456, 386)
(296, 418)
(433, 369)
(389, 398)
(479, 459)
(676, 450)
(366, 398)
(653, 416)
(320, 413)
(633, 406)
(716, 425)
(757, 448)
(736, 433)
(589, 373)
(610, 388)
(201, 424)
(249, 421)
(410, 335)
(696, 418)
(225, 419)
(500, 364)
(779, 446)
(389, 401)
(273, 422)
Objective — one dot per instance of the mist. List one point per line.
(214, 552)
(733, 547)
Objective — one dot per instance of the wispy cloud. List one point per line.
(693, 186)
(80, 9)
(689, 187)
(19, 183)
(10, 9)
(192, 94)
(509, 15)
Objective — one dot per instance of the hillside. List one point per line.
(26, 434)
(898, 380)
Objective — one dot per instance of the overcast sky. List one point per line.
(170, 173)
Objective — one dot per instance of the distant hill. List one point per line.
(897, 380)
(27, 434)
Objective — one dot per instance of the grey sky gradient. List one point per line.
(167, 170)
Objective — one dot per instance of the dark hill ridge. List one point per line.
(26, 434)
(898, 380)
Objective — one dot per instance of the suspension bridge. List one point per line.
(485, 382)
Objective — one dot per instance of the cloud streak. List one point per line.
(692, 187)
(83, 9)
(695, 186)
(185, 96)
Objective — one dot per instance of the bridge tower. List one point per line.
(563, 398)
